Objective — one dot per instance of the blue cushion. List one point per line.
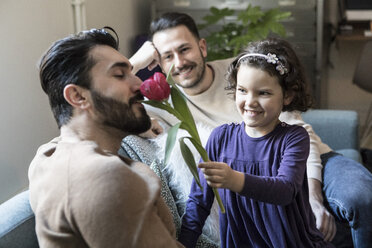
(17, 223)
(350, 153)
(336, 128)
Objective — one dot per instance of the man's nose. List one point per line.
(178, 61)
(136, 83)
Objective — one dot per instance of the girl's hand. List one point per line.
(220, 175)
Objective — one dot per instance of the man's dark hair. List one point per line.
(171, 20)
(68, 61)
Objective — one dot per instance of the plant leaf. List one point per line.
(171, 140)
(251, 14)
(203, 153)
(216, 15)
(276, 14)
(252, 24)
(180, 105)
(190, 161)
(168, 108)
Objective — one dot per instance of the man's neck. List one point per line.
(82, 128)
(205, 84)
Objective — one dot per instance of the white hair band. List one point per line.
(270, 58)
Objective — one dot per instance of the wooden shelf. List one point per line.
(355, 36)
(357, 32)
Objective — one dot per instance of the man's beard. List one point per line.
(120, 115)
(199, 66)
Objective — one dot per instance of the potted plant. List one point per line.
(227, 31)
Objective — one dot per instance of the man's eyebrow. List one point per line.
(177, 48)
(124, 65)
(183, 45)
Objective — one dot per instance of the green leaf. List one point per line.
(166, 107)
(276, 14)
(252, 24)
(180, 106)
(171, 140)
(203, 153)
(251, 14)
(278, 29)
(189, 159)
(217, 15)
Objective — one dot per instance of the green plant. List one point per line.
(251, 24)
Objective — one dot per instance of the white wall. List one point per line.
(27, 29)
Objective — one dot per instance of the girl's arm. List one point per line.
(282, 188)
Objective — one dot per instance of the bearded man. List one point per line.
(82, 192)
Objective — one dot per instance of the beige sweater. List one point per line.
(85, 197)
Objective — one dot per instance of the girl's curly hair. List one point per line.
(293, 81)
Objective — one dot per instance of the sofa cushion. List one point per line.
(350, 153)
(336, 128)
(17, 223)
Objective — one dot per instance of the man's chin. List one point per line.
(142, 124)
(187, 83)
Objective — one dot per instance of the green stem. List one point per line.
(204, 155)
(219, 201)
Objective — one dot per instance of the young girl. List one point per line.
(260, 168)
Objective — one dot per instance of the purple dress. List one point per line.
(273, 208)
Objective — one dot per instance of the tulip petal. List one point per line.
(156, 87)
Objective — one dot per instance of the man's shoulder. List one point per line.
(221, 63)
(75, 163)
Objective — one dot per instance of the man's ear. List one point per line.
(203, 47)
(76, 96)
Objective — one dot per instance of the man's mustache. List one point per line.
(137, 98)
(186, 67)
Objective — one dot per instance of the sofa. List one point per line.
(337, 128)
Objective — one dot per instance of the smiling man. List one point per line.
(82, 192)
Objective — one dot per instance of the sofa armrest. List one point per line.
(17, 223)
(336, 128)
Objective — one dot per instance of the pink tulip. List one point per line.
(156, 87)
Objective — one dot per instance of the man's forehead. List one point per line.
(103, 54)
(173, 38)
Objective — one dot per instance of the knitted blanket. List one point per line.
(175, 176)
